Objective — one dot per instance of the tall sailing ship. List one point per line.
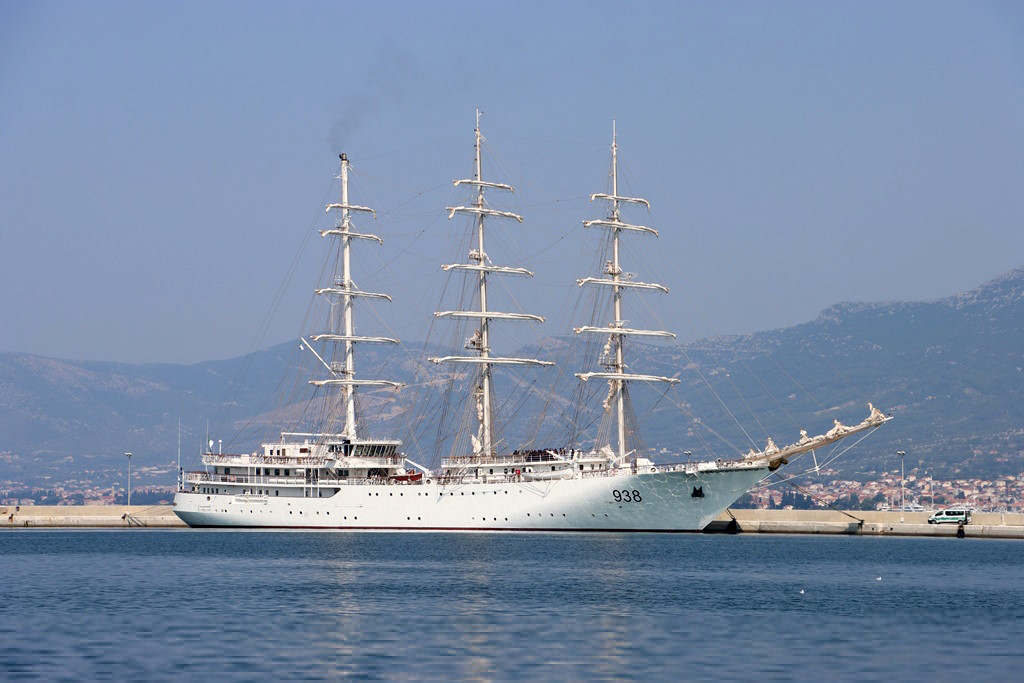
(336, 478)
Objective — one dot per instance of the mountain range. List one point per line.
(951, 371)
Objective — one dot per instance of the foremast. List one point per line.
(340, 338)
(480, 342)
(614, 358)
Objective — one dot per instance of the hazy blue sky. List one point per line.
(162, 164)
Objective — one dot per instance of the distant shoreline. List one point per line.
(821, 522)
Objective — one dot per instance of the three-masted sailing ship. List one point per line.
(335, 478)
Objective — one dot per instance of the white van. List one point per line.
(951, 516)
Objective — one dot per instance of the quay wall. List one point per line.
(867, 523)
(88, 516)
(853, 522)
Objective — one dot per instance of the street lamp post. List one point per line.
(129, 479)
(903, 502)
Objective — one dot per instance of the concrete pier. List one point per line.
(853, 522)
(88, 516)
(865, 523)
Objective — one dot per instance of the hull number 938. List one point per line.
(625, 496)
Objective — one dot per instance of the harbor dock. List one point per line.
(88, 516)
(864, 523)
(831, 522)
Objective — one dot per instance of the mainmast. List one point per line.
(479, 263)
(615, 363)
(341, 336)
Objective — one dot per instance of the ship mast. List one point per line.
(615, 365)
(479, 263)
(341, 336)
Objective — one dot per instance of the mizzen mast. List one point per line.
(340, 336)
(479, 263)
(614, 359)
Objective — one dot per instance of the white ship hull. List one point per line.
(663, 501)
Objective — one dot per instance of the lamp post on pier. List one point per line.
(129, 479)
(903, 502)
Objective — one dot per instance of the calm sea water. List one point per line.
(242, 606)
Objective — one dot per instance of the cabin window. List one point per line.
(284, 451)
(227, 470)
(303, 450)
(286, 473)
(277, 472)
(275, 492)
